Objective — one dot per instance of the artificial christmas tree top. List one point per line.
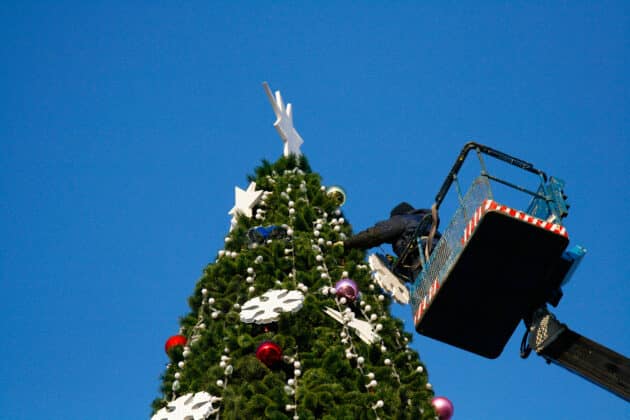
(286, 325)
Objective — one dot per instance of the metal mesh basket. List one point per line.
(450, 246)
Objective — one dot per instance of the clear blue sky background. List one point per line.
(125, 127)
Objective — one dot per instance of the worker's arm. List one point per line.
(382, 232)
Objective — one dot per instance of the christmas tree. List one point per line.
(285, 323)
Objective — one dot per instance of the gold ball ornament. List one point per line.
(337, 194)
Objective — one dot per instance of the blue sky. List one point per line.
(125, 127)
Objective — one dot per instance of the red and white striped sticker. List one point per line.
(426, 300)
(491, 205)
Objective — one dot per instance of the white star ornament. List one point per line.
(245, 200)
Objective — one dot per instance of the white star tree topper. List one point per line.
(245, 200)
(284, 123)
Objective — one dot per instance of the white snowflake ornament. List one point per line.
(387, 280)
(363, 328)
(268, 307)
(197, 406)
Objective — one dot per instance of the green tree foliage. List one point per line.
(326, 372)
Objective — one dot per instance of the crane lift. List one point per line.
(496, 265)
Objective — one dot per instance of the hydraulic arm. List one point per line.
(557, 344)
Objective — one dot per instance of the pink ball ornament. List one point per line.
(443, 408)
(348, 289)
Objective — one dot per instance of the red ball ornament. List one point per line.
(443, 408)
(269, 353)
(174, 341)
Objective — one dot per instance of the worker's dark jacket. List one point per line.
(398, 231)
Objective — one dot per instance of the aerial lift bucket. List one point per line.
(493, 264)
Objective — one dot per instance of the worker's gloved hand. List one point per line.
(338, 243)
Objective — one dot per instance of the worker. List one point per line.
(401, 231)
